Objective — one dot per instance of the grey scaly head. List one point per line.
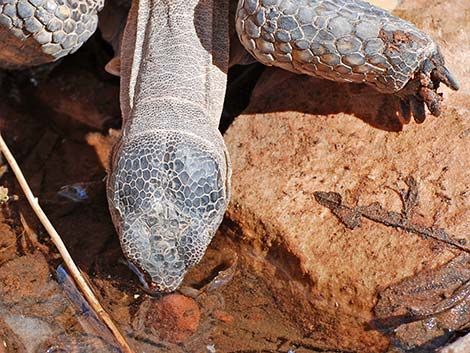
(169, 182)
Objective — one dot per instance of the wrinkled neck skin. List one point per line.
(169, 181)
(175, 52)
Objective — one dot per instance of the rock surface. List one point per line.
(301, 135)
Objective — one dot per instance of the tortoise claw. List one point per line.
(432, 99)
(422, 88)
(442, 74)
(417, 108)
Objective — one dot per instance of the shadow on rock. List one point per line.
(310, 95)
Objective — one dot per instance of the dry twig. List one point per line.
(74, 271)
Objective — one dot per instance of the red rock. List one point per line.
(175, 317)
(24, 278)
(301, 135)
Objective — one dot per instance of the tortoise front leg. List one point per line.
(35, 32)
(348, 41)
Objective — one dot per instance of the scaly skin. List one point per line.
(170, 174)
(349, 41)
(34, 32)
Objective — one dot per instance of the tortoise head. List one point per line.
(167, 194)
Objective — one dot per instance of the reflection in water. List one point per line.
(85, 315)
(41, 315)
(74, 192)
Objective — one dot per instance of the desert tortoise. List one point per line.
(169, 183)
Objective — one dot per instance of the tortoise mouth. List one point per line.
(143, 276)
(151, 241)
(147, 284)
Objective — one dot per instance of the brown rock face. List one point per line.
(399, 197)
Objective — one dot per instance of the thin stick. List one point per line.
(74, 271)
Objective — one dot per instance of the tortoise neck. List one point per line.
(175, 50)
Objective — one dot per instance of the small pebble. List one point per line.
(75, 192)
(174, 317)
